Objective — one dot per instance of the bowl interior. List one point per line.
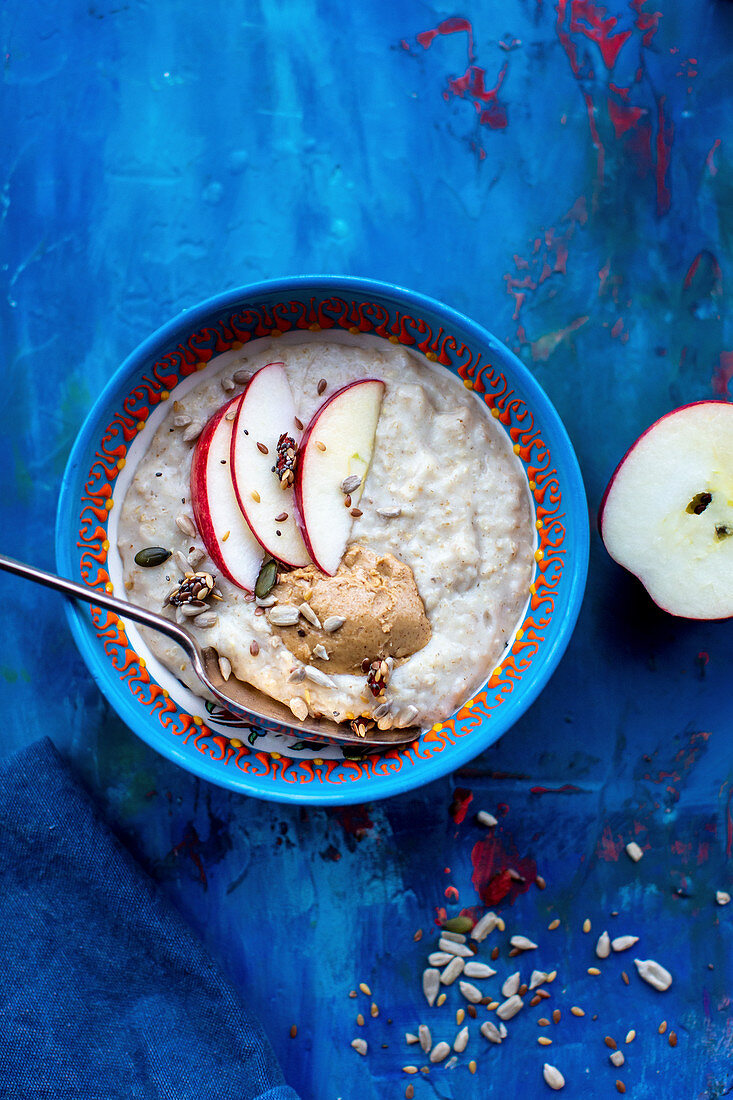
(247, 756)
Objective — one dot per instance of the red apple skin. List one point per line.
(198, 491)
(604, 498)
(298, 483)
(672, 412)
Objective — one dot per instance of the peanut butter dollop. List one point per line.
(377, 597)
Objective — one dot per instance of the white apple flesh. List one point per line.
(266, 412)
(336, 445)
(225, 533)
(667, 514)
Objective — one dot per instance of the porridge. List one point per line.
(430, 578)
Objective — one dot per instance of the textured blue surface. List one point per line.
(153, 154)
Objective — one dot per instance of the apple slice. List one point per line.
(667, 514)
(266, 414)
(224, 530)
(336, 445)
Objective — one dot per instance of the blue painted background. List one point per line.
(155, 153)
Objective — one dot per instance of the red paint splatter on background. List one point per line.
(609, 847)
(458, 808)
(354, 820)
(567, 788)
(665, 135)
(189, 847)
(646, 21)
(723, 374)
(623, 114)
(451, 892)
(729, 826)
(492, 863)
(449, 26)
(588, 19)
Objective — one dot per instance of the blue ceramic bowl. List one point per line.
(202, 738)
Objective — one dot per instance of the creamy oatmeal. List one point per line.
(438, 564)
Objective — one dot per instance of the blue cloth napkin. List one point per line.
(104, 991)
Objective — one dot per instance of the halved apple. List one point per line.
(336, 445)
(265, 415)
(223, 529)
(667, 514)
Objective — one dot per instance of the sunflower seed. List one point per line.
(208, 620)
(511, 985)
(623, 943)
(360, 1046)
(722, 897)
(297, 675)
(440, 1052)
(654, 974)
(452, 970)
(485, 818)
(510, 1008)
(350, 483)
(308, 613)
(490, 1031)
(225, 667)
(617, 1058)
(193, 431)
(410, 1038)
(440, 958)
(461, 1040)
(478, 970)
(454, 948)
(227, 384)
(231, 415)
(193, 609)
(630, 1036)
(284, 616)
(522, 943)
(470, 992)
(426, 1040)
(320, 652)
(411, 713)
(185, 523)
(182, 562)
(389, 513)
(538, 978)
(195, 557)
(430, 984)
(409, 1069)
(487, 924)
(454, 937)
(603, 947)
(633, 851)
(241, 376)
(332, 623)
(317, 677)
(553, 1077)
(299, 707)
(267, 601)
(181, 420)
(382, 710)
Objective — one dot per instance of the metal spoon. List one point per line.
(235, 695)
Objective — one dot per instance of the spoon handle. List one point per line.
(101, 599)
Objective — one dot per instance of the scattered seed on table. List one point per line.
(510, 1008)
(556, 1016)
(492, 1005)
(478, 970)
(431, 984)
(417, 935)
(410, 1038)
(610, 1043)
(460, 1016)
(586, 925)
(293, 1031)
(543, 994)
(360, 1046)
(623, 943)
(603, 947)
(360, 1020)
(490, 1031)
(440, 958)
(577, 1011)
(654, 974)
(472, 1066)
(553, 925)
(540, 882)
(538, 977)
(454, 935)
(673, 1038)
(485, 818)
(722, 897)
(594, 971)
(662, 1027)
(487, 924)
(321, 386)
(535, 1001)
(616, 1058)
(620, 1086)
(453, 948)
(522, 943)
(471, 1011)
(374, 1010)
(624, 977)
(553, 1077)
(425, 1038)
(461, 1040)
(511, 985)
(630, 1036)
(225, 667)
(470, 992)
(409, 1092)
(633, 851)
(409, 1069)
(440, 1052)
(494, 954)
(352, 992)
(544, 1041)
(552, 975)
(543, 1022)
(441, 999)
(458, 925)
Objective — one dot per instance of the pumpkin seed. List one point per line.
(266, 579)
(458, 924)
(151, 556)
